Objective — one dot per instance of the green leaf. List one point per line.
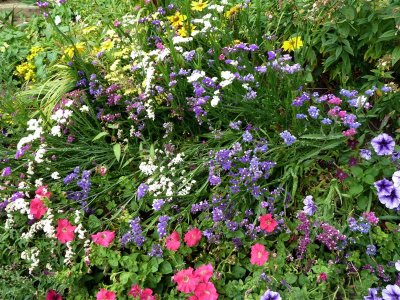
(357, 172)
(117, 151)
(94, 223)
(165, 268)
(290, 278)
(356, 189)
(369, 179)
(99, 136)
(338, 52)
(349, 13)
(238, 271)
(395, 55)
(388, 35)
(362, 203)
(124, 277)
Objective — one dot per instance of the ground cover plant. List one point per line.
(201, 150)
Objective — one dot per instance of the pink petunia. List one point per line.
(259, 255)
(37, 208)
(204, 272)
(135, 291)
(192, 237)
(103, 294)
(53, 295)
(65, 231)
(206, 291)
(43, 192)
(172, 242)
(147, 294)
(268, 223)
(104, 238)
(186, 280)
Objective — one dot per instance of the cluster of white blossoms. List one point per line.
(31, 255)
(45, 224)
(227, 77)
(61, 116)
(34, 125)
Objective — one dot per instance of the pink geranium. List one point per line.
(192, 237)
(268, 223)
(43, 192)
(206, 291)
(172, 241)
(65, 231)
(103, 294)
(104, 238)
(204, 272)
(258, 255)
(37, 208)
(186, 280)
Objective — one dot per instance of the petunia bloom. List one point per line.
(37, 208)
(271, 295)
(268, 223)
(192, 237)
(43, 192)
(391, 200)
(135, 291)
(309, 206)
(172, 242)
(65, 231)
(204, 272)
(391, 292)
(103, 294)
(372, 295)
(147, 294)
(259, 255)
(186, 280)
(206, 291)
(383, 144)
(53, 295)
(104, 238)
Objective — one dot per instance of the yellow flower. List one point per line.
(177, 19)
(88, 29)
(292, 44)
(183, 30)
(199, 5)
(233, 11)
(26, 70)
(107, 45)
(70, 51)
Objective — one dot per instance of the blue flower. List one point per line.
(270, 295)
(391, 292)
(372, 295)
(309, 206)
(287, 137)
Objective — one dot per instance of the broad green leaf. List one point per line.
(117, 151)
(395, 55)
(100, 135)
(388, 35)
(165, 268)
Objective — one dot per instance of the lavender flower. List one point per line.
(392, 199)
(326, 121)
(287, 137)
(313, 112)
(247, 137)
(371, 250)
(142, 190)
(309, 206)
(383, 144)
(391, 292)
(162, 226)
(365, 153)
(270, 295)
(6, 172)
(156, 251)
(157, 204)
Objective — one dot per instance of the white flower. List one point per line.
(84, 108)
(215, 100)
(39, 182)
(56, 130)
(57, 20)
(397, 265)
(196, 75)
(396, 179)
(55, 175)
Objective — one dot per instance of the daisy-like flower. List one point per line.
(177, 19)
(383, 144)
(292, 44)
(199, 5)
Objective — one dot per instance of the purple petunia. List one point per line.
(384, 186)
(309, 206)
(391, 292)
(372, 295)
(270, 295)
(391, 200)
(383, 144)
(365, 153)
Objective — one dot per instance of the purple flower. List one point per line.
(384, 186)
(391, 292)
(271, 55)
(270, 295)
(287, 137)
(365, 153)
(157, 204)
(247, 137)
(162, 226)
(156, 251)
(326, 121)
(371, 250)
(391, 200)
(142, 190)
(214, 179)
(313, 112)
(383, 144)
(309, 206)
(372, 295)
(6, 172)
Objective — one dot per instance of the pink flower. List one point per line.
(342, 113)
(147, 294)
(335, 100)
(186, 280)
(37, 208)
(192, 237)
(204, 272)
(104, 238)
(53, 295)
(65, 231)
(349, 132)
(135, 291)
(43, 192)
(268, 223)
(322, 277)
(206, 291)
(193, 298)
(172, 241)
(258, 255)
(103, 294)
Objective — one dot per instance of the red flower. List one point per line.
(204, 272)
(53, 295)
(258, 255)
(135, 291)
(192, 237)
(186, 280)
(43, 192)
(268, 223)
(206, 291)
(103, 294)
(65, 231)
(37, 208)
(104, 238)
(147, 294)
(322, 277)
(172, 241)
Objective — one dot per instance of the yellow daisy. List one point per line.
(177, 19)
(292, 44)
(199, 5)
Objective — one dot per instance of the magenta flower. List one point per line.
(104, 238)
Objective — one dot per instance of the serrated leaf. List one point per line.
(117, 151)
(99, 136)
